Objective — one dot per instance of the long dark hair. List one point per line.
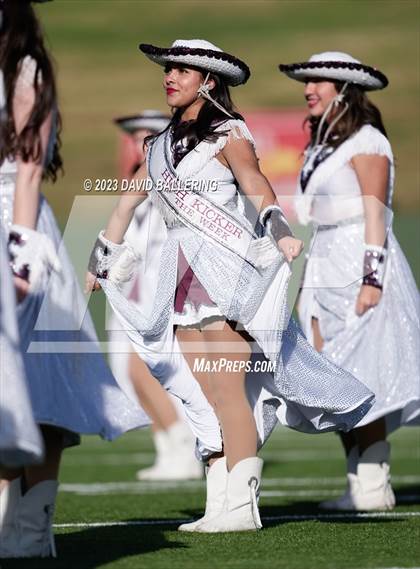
(21, 36)
(361, 111)
(208, 119)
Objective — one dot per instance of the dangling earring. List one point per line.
(204, 91)
(339, 98)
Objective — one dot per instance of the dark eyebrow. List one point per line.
(315, 80)
(171, 65)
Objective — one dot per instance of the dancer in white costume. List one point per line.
(229, 272)
(70, 393)
(359, 303)
(20, 440)
(173, 440)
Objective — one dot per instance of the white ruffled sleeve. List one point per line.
(236, 130)
(27, 75)
(369, 140)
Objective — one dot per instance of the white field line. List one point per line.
(406, 498)
(282, 456)
(331, 480)
(96, 488)
(133, 488)
(282, 518)
(101, 490)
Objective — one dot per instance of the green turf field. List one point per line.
(299, 471)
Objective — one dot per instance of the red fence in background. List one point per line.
(280, 140)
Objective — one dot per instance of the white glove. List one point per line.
(263, 252)
(113, 261)
(31, 253)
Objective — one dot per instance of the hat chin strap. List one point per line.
(204, 91)
(339, 98)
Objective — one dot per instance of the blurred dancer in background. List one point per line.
(70, 393)
(173, 440)
(359, 303)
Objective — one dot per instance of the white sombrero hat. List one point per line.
(148, 120)
(202, 54)
(336, 66)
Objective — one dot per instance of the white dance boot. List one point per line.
(216, 492)
(240, 512)
(346, 501)
(374, 490)
(31, 533)
(161, 444)
(175, 456)
(369, 485)
(9, 500)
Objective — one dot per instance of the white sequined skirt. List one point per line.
(20, 441)
(306, 391)
(380, 348)
(69, 383)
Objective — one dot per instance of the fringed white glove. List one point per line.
(263, 252)
(31, 253)
(112, 261)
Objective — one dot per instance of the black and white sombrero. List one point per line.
(202, 54)
(336, 66)
(154, 121)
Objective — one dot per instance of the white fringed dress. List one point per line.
(380, 348)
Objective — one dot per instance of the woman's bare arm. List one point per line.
(372, 172)
(373, 175)
(242, 160)
(124, 210)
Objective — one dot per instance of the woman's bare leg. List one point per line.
(193, 345)
(153, 398)
(370, 434)
(48, 470)
(318, 340)
(225, 388)
(9, 474)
